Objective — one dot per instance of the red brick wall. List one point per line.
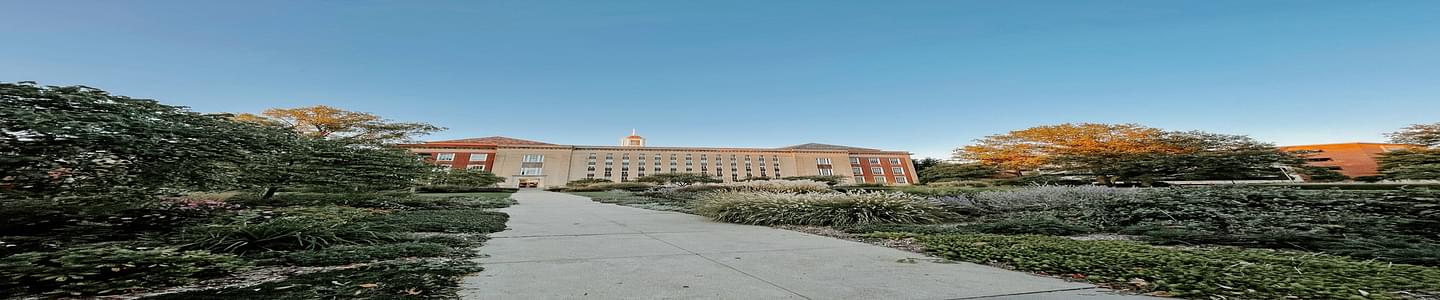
(1354, 159)
(886, 166)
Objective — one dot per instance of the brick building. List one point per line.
(1351, 159)
(536, 164)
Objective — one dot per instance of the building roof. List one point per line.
(494, 140)
(1350, 143)
(818, 146)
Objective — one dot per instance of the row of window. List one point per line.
(880, 179)
(451, 156)
(450, 166)
(879, 170)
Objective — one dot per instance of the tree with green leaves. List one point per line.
(1418, 134)
(330, 164)
(82, 142)
(926, 163)
(830, 180)
(957, 172)
(1412, 164)
(325, 122)
(677, 178)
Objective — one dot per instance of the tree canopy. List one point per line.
(1419, 134)
(327, 122)
(1413, 164)
(957, 172)
(464, 177)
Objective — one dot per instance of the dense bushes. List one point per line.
(462, 189)
(1194, 273)
(425, 279)
(356, 254)
(453, 221)
(772, 208)
(774, 186)
(601, 187)
(102, 270)
(393, 200)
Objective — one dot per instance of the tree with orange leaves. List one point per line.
(325, 122)
(1110, 152)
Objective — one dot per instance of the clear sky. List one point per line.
(924, 76)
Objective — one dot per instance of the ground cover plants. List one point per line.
(832, 208)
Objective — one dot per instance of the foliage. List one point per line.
(926, 163)
(462, 189)
(677, 178)
(659, 200)
(380, 200)
(586, 181)
(775, 208)
(356, 254)
(424, 279)
(453, 221)
(957, 172)
(1412, 164)
(335, 165)
(624, 186)
(281, 234)
(1193, 273)
(104, 270)
(83, 142)
(777, 186)
(324, 122)
(1418, 134)
(1035, 147)
(463, 177)
(831, 180)
(1322, 174)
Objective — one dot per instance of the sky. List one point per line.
(921, 76)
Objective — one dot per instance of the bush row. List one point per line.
(772, 208)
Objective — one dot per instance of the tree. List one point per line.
(926, 163)
(464, 177)
(1419, 134)
(1412, 164)
(1036, 147)
(326, 122)
(957, 172)
(677, 178)
(1322, 174)
(83, 142)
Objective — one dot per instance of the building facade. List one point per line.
(531, 164)
(1351, 159)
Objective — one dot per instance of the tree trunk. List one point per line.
(270, 192)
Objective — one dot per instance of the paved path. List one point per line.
(562, 246)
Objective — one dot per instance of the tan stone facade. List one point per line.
(535, 164)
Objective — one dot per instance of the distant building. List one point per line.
(1351, 159)
(537, 164)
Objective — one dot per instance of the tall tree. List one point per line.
(926, 163)
(1419, 134)
(1036, 147)
(78, 141)
(338, 165)
(331, 123)
(464, 177)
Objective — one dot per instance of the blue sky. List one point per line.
(924, 76)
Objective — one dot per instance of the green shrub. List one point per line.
(454, 241)
(355, 254)
(1030, 224)
(452, 221)
(280, 234)
(767, 208)
(586, 182)
(831, 180)
(389, 280)
(775, 186)
(104, 270)
(1195, 273)
(624, 186)
(462, 189)
(369, 200)
(463, 200)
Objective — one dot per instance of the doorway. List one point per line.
(529, 183)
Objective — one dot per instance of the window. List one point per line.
(476, 167)
(897, 170)
(879, 179)
(856, 170)
(854, 160)
(900, 179)
(822, 161)
(479, 156)
(894, 161)
(529, 171)
(826, 172)
(874, 160)
(445, 156)
(533, 158)
(859, 179)
(877, 170)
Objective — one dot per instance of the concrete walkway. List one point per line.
(562, 246)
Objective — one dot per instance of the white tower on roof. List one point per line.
(633, 140)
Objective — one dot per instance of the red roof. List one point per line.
(492, 140)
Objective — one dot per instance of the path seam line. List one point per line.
(718, 263)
